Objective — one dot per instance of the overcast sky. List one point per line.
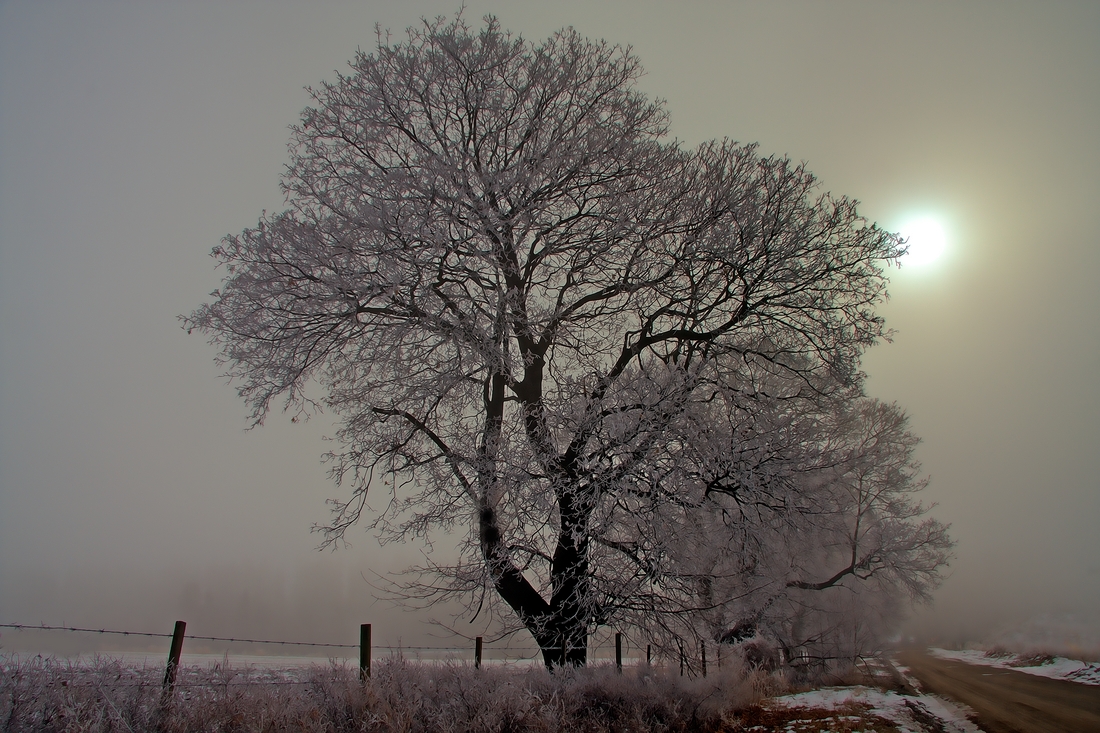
(134, 135)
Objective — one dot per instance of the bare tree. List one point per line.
(524, 303)
(808, 533)
(868, 548)
(792, 518)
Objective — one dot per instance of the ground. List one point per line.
(844, 709)
(948, 691)
(1005, 700)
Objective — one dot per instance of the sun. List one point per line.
(926, 241)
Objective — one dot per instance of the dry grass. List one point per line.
(39, 694)
(1031, 658)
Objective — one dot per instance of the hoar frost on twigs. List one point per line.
(615, 359)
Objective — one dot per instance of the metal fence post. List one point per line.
(364, 652)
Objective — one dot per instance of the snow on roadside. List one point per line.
(909, 713)
(1087, 673)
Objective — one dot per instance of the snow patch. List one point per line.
(910, 713)
(1060, 668)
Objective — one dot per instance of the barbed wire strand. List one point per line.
(42, 627)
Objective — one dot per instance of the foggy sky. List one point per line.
(134, 135)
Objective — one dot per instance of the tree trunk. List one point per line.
(561, 626)
(571, 603)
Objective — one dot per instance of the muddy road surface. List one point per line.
(1007, 701)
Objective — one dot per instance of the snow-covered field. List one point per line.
(1058, 668)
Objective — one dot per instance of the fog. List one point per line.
(133, 136)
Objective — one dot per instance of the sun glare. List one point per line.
(926, 240)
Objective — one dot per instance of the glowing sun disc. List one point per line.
(927, 241)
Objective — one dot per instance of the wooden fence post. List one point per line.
(619, 652)
(681, 660)
(364, 652)
(477, 653)
(564, 650)
(174, 657)
(648, 655)
(703, 649)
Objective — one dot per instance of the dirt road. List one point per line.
(1008, 701)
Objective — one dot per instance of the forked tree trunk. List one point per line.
(561, 626)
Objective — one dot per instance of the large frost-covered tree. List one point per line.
(539, 318)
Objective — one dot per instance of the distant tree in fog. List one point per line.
(595, 351)
(803, 531)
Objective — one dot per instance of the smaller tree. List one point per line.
(809, 535)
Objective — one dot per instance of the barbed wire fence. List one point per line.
(365, 647)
